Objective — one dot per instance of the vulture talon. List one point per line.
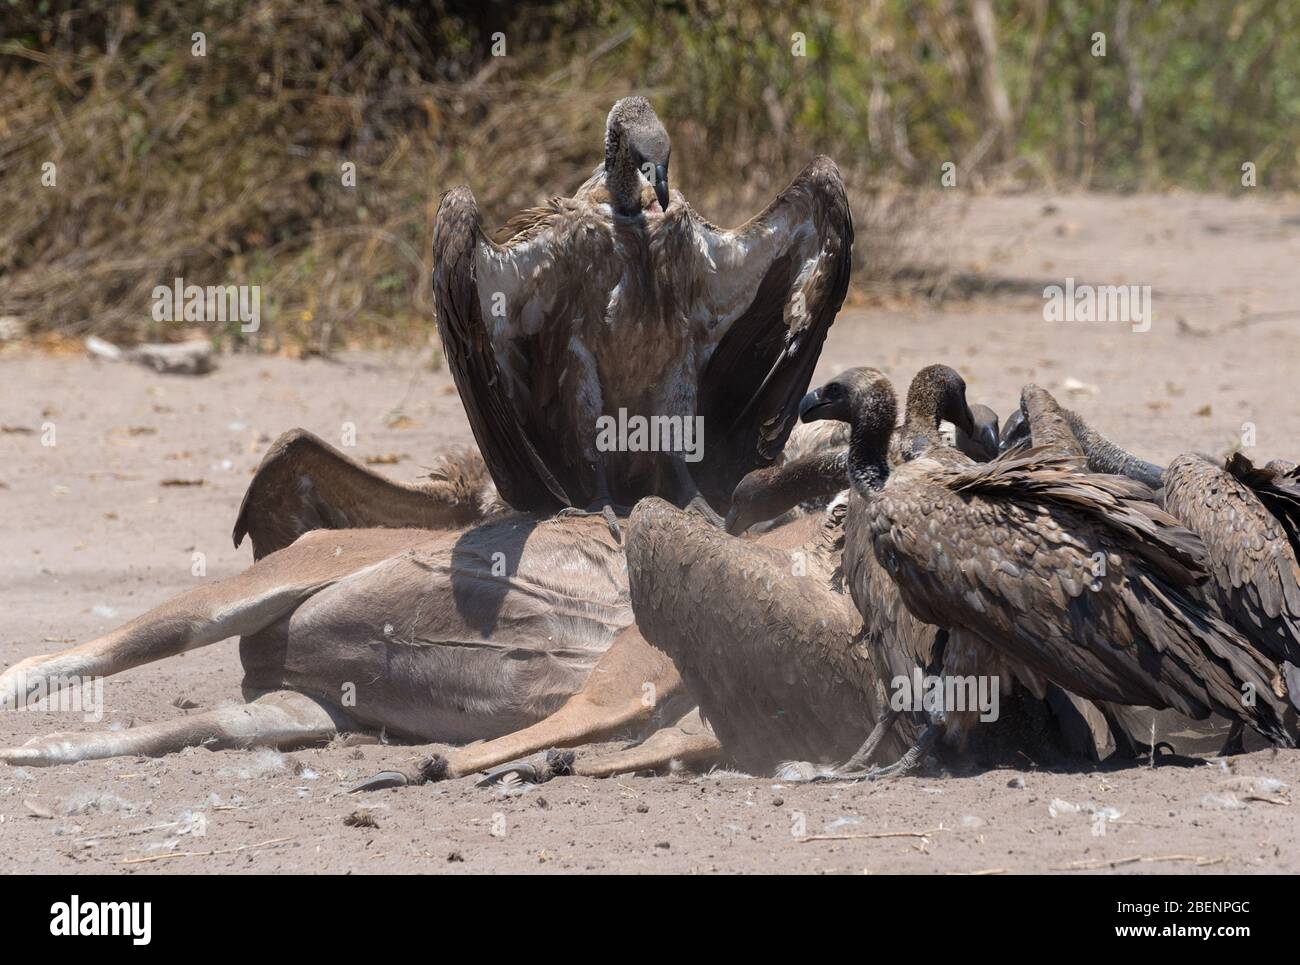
(700, 506)
(611, 520)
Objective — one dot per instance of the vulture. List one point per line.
(814, 466)
(1248, 518)
(615, 344)
(1067, 577)
(786, 665)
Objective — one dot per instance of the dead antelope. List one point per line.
(486, 625)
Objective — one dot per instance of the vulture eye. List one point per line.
(833, 391)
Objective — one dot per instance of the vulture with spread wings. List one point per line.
(615, 345)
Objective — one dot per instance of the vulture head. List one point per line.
(940, 391)
(636, 157)
(982, 444)
(862, 397)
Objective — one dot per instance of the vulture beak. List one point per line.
(661, 185)
(967, 424)
(1015, 431)
(809, 405)
(733, 524)
(987, 436)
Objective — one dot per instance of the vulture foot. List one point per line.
(700, 505)
(905, 765)
(1234, 744)
(602, 507)
(862, 757)
(1128, 747)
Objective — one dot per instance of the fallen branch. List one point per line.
(204, 854)
(873, 834)
(1198, 859)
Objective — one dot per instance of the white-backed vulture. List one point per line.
(622, 304)
(1248, 517)
(1077, 577)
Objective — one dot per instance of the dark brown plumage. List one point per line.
(599, 303)
(1247, 518)
(783, 664)
(1079, 577)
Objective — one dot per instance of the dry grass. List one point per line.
(226, 169)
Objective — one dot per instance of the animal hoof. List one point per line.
(555, 764)
(380, 782)
(428, 769)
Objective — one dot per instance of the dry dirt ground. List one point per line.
(92, 535)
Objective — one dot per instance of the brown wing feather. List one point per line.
(1010, 552)
(1249, 555)
(759, 371)
(499, 419)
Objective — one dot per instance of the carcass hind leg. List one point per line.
(629, 684)
(689, 742)
(236, 606)
(281, 719)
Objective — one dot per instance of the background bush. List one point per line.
(225, 169)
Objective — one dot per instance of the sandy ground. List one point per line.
(92, 536)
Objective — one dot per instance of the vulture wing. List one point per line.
(1248, 552)
(771, 289)
(505, 314)
(1010, 550)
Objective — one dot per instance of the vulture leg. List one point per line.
(914, 756)
(863, 757)
(1235, 743)
(1127, 746)
(280, 719)
(912, 759)
(305, 484)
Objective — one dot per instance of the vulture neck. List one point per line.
(868, 457)
(816, 475)
(621, 177)
(1048, 426)
(922, 418)
(1106, 457)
